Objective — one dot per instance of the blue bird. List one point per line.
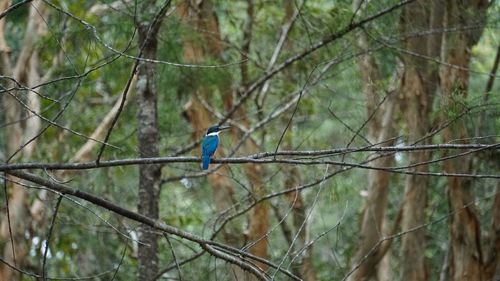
(210, 144)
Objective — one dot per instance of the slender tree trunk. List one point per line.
(200, 15)
(376, 203)
(148, 136)
(418, 88)
(259, 217)
(466, 258)
(16, 222)
(258, 226)
(385, 271)
(380, 129)
(25, 72)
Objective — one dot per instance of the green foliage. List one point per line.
(83, 241)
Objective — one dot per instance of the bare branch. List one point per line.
(231, 259)
(174, 257)
(49, 235)
(261, 158)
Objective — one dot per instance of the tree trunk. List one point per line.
(148, 136)
(201, 16)
(258, 226)
(26, 73)
(418, 88)
(204, 19)
(259, 218)
(376, 203)
(466, 259)
(380, 129)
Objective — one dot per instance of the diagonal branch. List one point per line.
(228, 253)
(326, 41)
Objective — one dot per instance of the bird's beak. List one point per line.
(222, 128)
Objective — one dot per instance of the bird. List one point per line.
(210, 144)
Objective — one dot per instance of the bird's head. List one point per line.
(216, 129)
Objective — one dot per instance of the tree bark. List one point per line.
(200, 15)
(259, 218)
(466, 258)
(418, 89)
(148, 136)
(25, 72)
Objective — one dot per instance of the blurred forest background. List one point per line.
(364, 141)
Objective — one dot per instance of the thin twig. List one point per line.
(49, 234)
(179, 263)
(174, 256)
(121, 262)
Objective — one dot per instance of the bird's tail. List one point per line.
(206, 160)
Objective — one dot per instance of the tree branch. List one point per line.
(327, 40)
(259, 158)
(229, 253)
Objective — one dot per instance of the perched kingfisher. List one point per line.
(210, 144)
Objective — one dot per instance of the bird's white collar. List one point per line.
(213, 134)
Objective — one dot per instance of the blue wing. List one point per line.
(208, 148)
